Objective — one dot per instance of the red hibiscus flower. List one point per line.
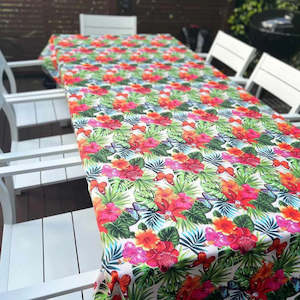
(128, 67)
(171, 210)
(205, 116)
(249, 98)
(193, 165)
(239, 195)
(193, 289)
(163, 256)
(180, 87)
(249, 159)
(132, 173)
(96, 43)
(242, 239)
(111, 124)
(149, 50)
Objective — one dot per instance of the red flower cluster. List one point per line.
(265, 281)
(200, 114)
(194, 289)
(239, 195)
(123, 105)
(192, 138)
(149, 76)
(288, 129)
(161, 66)
(97, 90)
(131, 173)
(180, 87)
(112, 78)
(242, 239)
(246, 112)
(206, 99)
(171, 205)
(166, 102)
(108, 122)
(140, 144)
(249, 135)
(156, 118)
(249, 98)
(76, 108)
(163, 256)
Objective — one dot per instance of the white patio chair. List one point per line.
(107, 24)
(281, 80)
(33, 108)
(44, 151)
(232, 52)
(50, 248)
(50, 256)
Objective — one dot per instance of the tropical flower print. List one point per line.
(195, 183)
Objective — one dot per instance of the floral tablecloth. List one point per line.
(195, 183)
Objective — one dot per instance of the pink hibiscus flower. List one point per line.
(133, 254)
(216, 238)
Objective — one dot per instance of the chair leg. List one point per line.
(258, 92)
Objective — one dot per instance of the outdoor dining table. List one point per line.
(195, 183)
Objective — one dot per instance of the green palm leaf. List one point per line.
(112, 194)
(193, 240)
(182, 185)
(136, 293)
(111, 257)
(288, 262)
(217, 273)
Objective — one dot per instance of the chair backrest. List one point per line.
(104, 24)
(232, 52)
(5, 69)
(278, 78)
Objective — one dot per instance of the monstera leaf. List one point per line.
(161, 150)
(264, 202)
(101, 155)
(120, 228)
(197, 213)
(169, 234)
(137, 162)
(244, 221)
(215, 144)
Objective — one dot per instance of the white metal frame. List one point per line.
(281, 80)
(232, 52)
(107, 24)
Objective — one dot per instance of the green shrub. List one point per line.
(245, 9)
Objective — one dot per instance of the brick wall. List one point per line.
(25, 25)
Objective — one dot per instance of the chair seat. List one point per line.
(35, 113)
(52, 248)
(30, 180)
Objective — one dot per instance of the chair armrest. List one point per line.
(35, 93)
(39, 166)
(12, 156)
(14, 98)
(53, 288)
(25, 63)
(295, 117)
(204, 55)
(239, 80)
